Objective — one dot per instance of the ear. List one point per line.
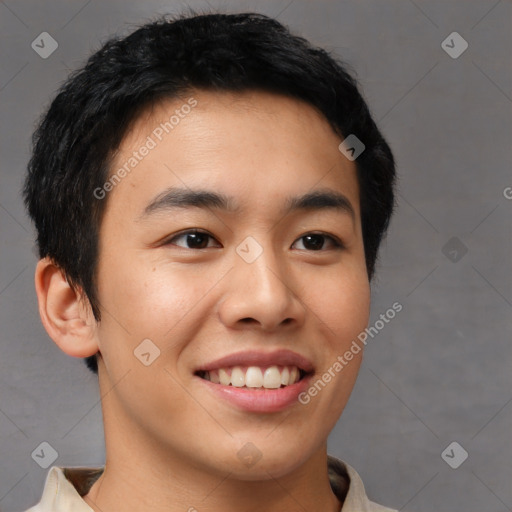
(67, 318)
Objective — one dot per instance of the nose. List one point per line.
(262, 293)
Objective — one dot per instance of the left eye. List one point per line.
(199, 240)
(315, 241)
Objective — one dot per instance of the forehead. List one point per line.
(254, 145)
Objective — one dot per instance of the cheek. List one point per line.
(149, 297)
(342, 307)
(342, 303)
(160, 301)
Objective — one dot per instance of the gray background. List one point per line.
(437, 373)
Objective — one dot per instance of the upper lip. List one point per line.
(256, 358)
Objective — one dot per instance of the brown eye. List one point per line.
(193, 239)
(315, 241)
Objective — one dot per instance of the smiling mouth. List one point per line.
(254, 377)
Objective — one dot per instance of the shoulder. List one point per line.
(64, 488)
(349, 488)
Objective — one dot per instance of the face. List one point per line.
(204, 298)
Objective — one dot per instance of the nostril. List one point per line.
(248, 320)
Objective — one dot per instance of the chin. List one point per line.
(266, 462)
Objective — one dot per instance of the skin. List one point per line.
(169, 444)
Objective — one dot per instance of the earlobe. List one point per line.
(67, 320)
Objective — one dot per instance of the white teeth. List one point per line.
(285, 376)
(272, 378)
(294, 374)
(224, 378)
(254, 377)
(237, 377)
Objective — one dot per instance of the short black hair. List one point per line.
(73, 144)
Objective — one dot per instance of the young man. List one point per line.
(209, 195)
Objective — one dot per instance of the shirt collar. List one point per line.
(65, 486)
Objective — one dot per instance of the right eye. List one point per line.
(194, 239)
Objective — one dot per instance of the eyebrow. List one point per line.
(178, 198)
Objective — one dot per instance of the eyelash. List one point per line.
(335, 241)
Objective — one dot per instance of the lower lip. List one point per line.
(261, 400)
